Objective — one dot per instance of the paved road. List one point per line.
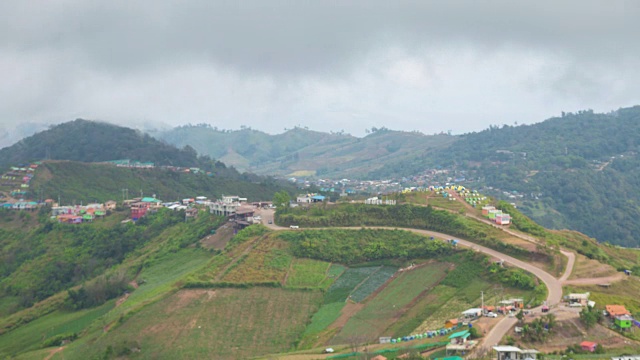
(553, 285)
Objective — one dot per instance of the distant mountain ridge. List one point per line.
(301, 151)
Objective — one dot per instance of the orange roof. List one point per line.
(617, 310)
(588, 344)
(453, 321)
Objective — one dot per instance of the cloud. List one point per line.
(412, 65)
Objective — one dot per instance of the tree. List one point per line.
(281, 200)
(589, 317)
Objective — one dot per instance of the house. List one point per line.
(191, 212)
(304, 199)
(449, 324)
(244, 212)
(582, 299)
(138, 210)
(513, 353)
(492, 214)
(589, 346)
(503, 219)
(110, 205)
(616, 310)
(472, 313)
(623, 322)
(459, 342)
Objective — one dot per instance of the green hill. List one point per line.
(302, 151)
(76, 182)
(579, 171)
(92, 141)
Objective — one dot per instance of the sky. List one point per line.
(430, 66)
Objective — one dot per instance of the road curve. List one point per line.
(554, 286)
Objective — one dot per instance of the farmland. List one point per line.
(372, 283)
(344, 285)
(32, 335)
(381, 311)
(307, 273)
(221, 324)
(268, 262)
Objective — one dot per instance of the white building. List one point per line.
(513, 353)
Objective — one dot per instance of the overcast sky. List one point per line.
(330, 65)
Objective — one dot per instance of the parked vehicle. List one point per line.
(294, 227)
(492, 315)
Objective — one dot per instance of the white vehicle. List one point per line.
(328, 350)
(257, 218)
(492, 315)
(294, 226)
(575, 305)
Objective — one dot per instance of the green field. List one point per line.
(220, 324)
(342, 288)
(335, 270)
(373, 282)
(317, 330)
(31, 336)
(307, 273)
(381, 311)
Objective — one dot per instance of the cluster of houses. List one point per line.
(78, 214)
(16, 183)
(378, 201)
(496, 215)
(141, 206)
(620, 317)
(128, 163)
(19, 177)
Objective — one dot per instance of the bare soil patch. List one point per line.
(220, 239)
(347, 312)
(588, 268)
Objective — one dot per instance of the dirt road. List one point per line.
(553, 285)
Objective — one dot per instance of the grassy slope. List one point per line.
(82, 182)
(222, 324)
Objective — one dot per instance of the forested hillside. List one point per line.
(91, 141)
(578, 171)
(76, 182)
(302, 152)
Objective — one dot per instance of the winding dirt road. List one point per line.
(553, 285)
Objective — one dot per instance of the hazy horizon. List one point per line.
(427, 66)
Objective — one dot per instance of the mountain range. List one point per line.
(577, 171)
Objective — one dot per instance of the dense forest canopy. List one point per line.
(91, 141)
